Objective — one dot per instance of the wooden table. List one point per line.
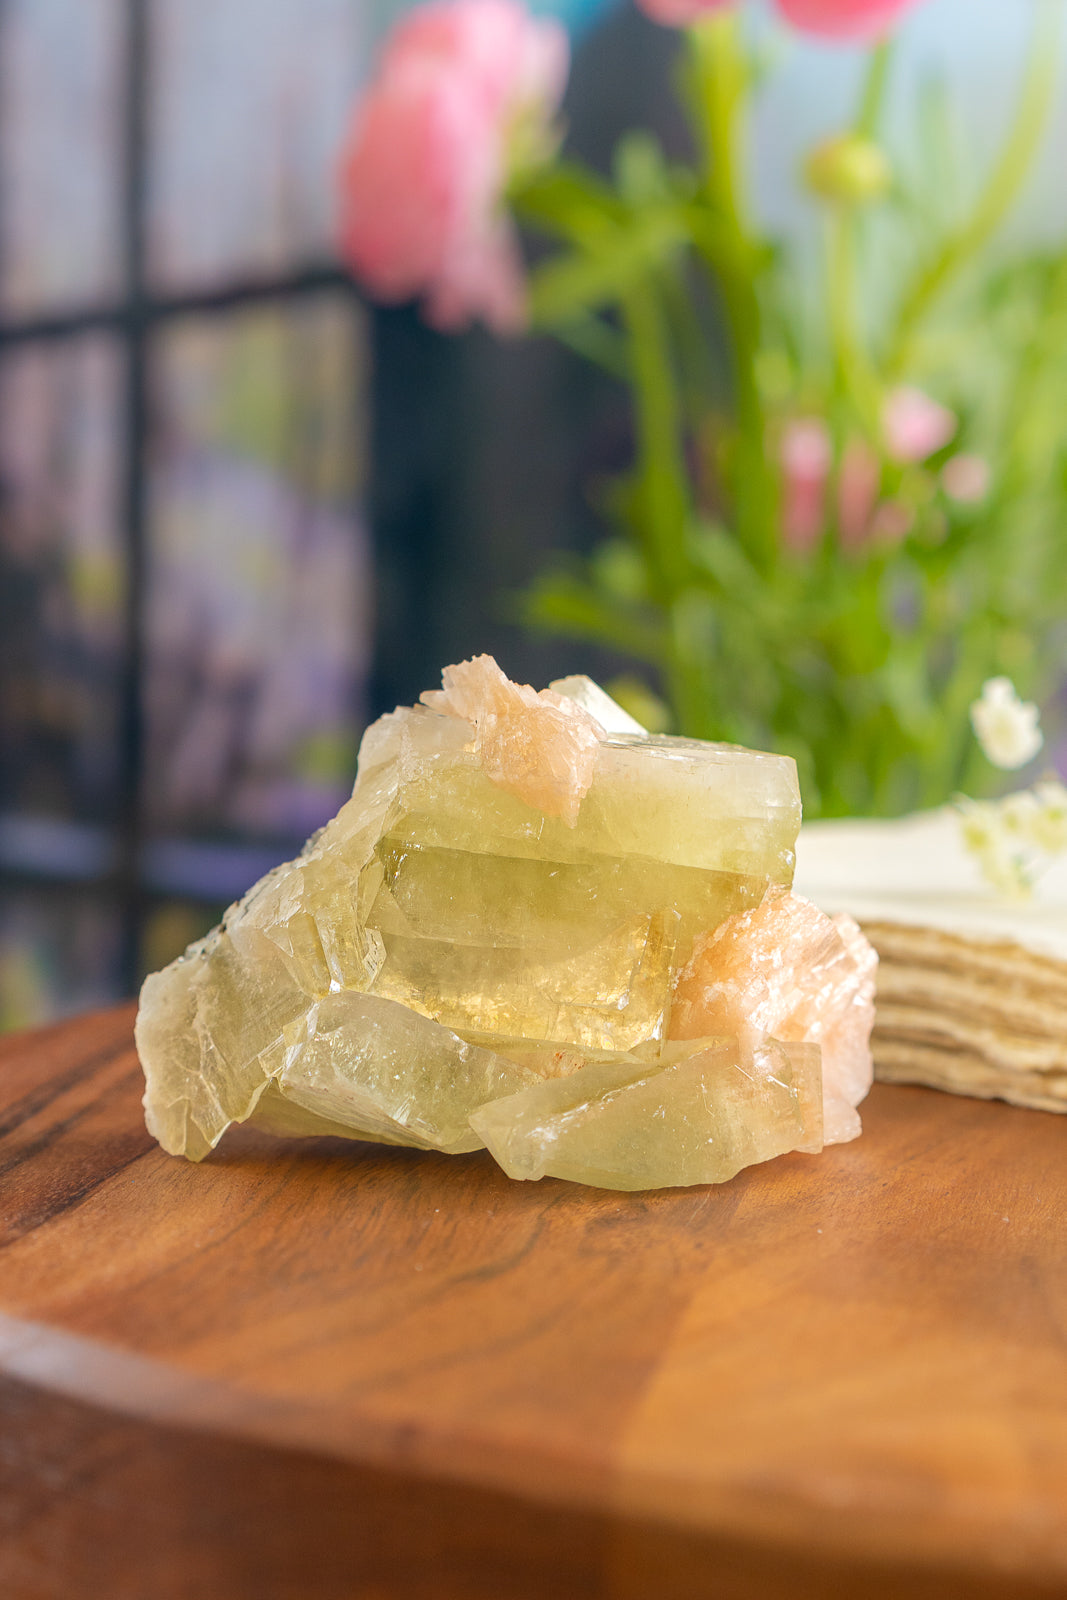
(340, 1372)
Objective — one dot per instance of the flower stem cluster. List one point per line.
(829, 536)
(1015, 838)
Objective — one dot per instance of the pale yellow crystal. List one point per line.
(698, 1114)
(374, 1065)
(611, 994)
(493, 928)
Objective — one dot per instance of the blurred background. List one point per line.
(241, 512)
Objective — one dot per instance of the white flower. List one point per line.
(980, 823)
(1007, 727)
(1049, 827)
(988, 833)
(1020, 815)
(1014, 839)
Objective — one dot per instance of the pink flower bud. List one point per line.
(891, 522)
(508, 60)
(843, 19)
(807, 454)
(427, 157)
(857, 492)
(966, 478)
(679, 13)
(833, 19)
(916, 426)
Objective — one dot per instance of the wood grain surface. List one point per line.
(322, 1371)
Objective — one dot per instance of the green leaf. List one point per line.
(640, 169)
(561, 602)
(595, 339)
(617, 569)
(602, 272)
(723, 559)
(568, 200)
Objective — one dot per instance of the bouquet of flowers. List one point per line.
(840, 520)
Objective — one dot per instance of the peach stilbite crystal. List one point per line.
(541, 747)
(486, 947)
(787, 970)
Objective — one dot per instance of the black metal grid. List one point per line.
(134, 318)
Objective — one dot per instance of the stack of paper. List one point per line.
(972, 986)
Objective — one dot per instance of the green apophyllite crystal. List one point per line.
(493, 928)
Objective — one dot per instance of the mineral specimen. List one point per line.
(536, 928)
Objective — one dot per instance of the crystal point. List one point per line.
(536, 927)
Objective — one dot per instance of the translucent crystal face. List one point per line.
(519, 915)
(700, 1112)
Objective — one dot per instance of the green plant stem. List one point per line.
(1044, 346)
(1002, 188)
(872, 98)
(661, 471)
(663, 504)
(856, 378)
(724, 239)
(696, 368)
(720, 78)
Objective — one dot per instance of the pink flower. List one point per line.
(832, 19)
(843, 19)
(510, 62)
(807, 454)
(915, 426)
(679, 13)
(892, 522)
(966, 478)
(857, 492)
(461, 86)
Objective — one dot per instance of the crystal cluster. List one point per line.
(533, 928)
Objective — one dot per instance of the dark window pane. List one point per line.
(60, 138)
(248, 105)
(60, 578)
(59, 954)
(258, 588)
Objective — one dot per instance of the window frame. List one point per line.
(135, 318)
